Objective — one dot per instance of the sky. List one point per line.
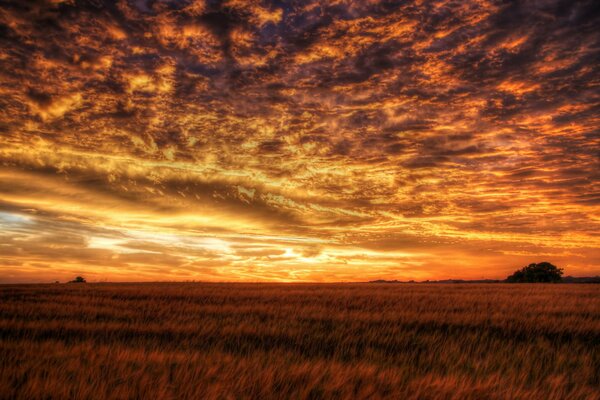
(247, 140)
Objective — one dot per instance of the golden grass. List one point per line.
(301, 341)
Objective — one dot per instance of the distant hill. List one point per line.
(567, 279)
(440, 281)
(583, 279)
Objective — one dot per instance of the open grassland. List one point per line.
(233, 341)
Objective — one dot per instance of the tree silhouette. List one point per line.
(540, 272)
(78, 279)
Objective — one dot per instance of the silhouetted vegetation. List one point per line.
(299, 341)
(78, 279)
(536, 273)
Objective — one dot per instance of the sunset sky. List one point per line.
(333, 140)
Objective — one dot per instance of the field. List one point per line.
(301, 341)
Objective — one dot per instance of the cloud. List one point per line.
(368, 131)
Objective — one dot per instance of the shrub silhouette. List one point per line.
(78, 279)
(541, 272)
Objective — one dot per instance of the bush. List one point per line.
(78, 279)
(541, 272)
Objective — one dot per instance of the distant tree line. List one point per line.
(535, 273)
(532, 273)
(542, 272)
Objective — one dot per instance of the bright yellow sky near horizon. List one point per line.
(245, 140)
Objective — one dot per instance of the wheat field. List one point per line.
(299, 341)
